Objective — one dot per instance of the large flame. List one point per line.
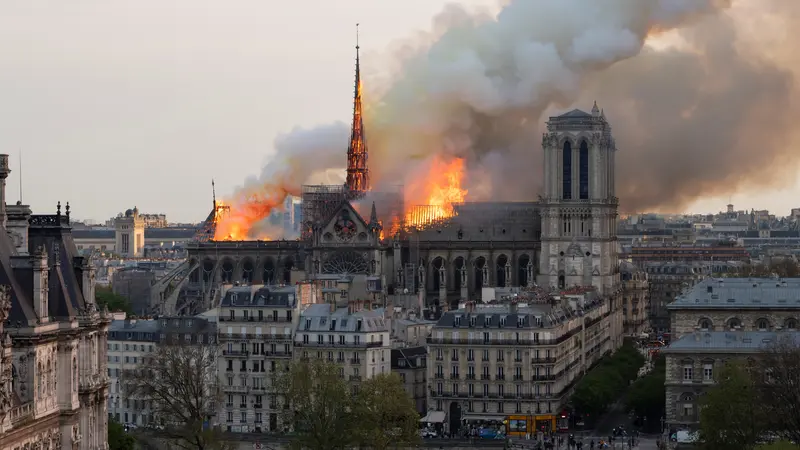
(242, 221)
(436, 192)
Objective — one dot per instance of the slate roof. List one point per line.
(411, 356)
(263, 296)
(741, 293)
(532, 316)
(319, 317)
(728, 341)
(93, 234)
(576, 114)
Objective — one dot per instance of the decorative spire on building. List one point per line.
(374, 224)
(357, 154)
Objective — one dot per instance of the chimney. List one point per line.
(513, 307)
(4, 172)
(333, 306)
(469, 307)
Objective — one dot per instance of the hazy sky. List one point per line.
(116, 104)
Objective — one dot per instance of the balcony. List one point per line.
(517, 360)
(470, 376)
(355, 377)
(239, 353)
(241, 389)
(438, 376)
(355, 361)
(486, 376)
(281, 354)
(518, 377)
(454, 376)
(547, 360)
(341, 345)
(22, 413)
(242, 319)
(500, 376)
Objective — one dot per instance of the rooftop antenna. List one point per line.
(20, 176)
(357, 47)
(214, 194)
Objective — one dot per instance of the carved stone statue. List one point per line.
(463, 272)
(442, 277)
(5, 302)
(508, 274)
(485, 270)
(529, 269)
(421, 271)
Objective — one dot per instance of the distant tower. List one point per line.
(579, 208)
(357, 153)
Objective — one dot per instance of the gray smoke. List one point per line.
(707, 117)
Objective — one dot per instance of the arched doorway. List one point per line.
(500, 270)
(522, 270)
(480, 263)
(438, 263)
(455, 417)
(269, 271)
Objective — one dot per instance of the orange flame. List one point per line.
(438, 191)
(237, 222)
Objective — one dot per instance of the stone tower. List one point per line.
(579, 206)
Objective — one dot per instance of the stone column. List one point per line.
(464, 287)
(508, 274)
(442, 285)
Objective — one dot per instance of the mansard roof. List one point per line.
(65, 286)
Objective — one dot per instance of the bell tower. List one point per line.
(579, 205)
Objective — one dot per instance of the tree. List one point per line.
(731, 414)
(384, 413)
(780, 393)
(602, 385)
(785, 268)
(104, 296)
(179, 387)
(320, 405)
(647, 396)
(118, 439)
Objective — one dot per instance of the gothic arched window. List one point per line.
(762, 324)
(705, 324)
(567, 171)
(583, 168)
(791, 324)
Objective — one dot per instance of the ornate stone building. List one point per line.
(720, 319)
(53, 380)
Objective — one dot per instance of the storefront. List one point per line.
(519, 425)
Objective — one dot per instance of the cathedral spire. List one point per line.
(357, 154)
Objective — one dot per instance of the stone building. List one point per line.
(355, 336)
(53, 376)
(256, 325)
(635, 299)
(129, 234)
(666, 281)
(131, 340)
(487, 362)
(737, 304)
(411, 364)
(417, 256)
(717, 320)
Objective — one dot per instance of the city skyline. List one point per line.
(148, 119)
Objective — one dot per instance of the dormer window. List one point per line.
(359, 324)
(472, 321)
(333, 324)
(502, 322)
(457, 321)
(308, 324)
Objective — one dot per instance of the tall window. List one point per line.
(583, 162)
(125, 243)
(567, 174)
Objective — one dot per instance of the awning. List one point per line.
(483, 418)
(433, 417)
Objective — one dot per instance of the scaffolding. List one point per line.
(320, 202)
(426, 216)
(209, 227)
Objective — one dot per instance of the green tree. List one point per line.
(731, 414)
(385, 414)
(604, 384)
(782, 445)
(104, 296)
(118, 439)
(647, 396)
(320, 405)
(179, 386)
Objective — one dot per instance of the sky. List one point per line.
(114, 104)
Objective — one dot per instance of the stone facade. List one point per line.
(53, 378)
(666, 281)
(635, 299)
(129, 234)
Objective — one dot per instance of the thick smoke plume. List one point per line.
(706, 115)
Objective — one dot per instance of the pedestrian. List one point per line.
(591, 444)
